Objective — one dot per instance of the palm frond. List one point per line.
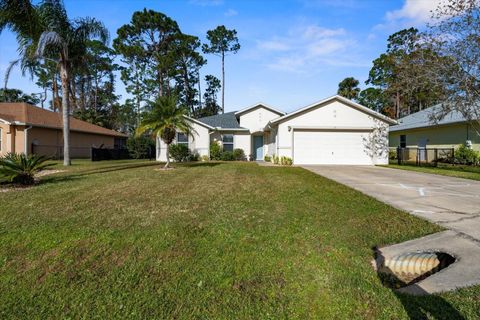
(88, 28)
(49, 39)
(8, 71)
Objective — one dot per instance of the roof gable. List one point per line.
(259, 105)
(326, 101)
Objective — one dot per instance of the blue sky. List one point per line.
(293, 52)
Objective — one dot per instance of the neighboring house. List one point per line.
(419, 130)
(332, 131)
(28, 129)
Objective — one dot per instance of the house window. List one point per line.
(227, 140)
(403, 141)
(182, 138)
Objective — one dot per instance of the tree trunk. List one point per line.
(223, 82)
(65, 115)
(199, 91)
(54, 93)
(397, 102)
(167, 165)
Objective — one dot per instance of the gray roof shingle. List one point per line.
(425, 118)
(226, 120)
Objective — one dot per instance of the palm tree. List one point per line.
(348, 88)
(163, 121)
(46, 33)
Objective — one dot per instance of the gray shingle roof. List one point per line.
(424, 118)
(226, 120)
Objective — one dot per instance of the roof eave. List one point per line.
(200, 123)
(266, 106)
(338, 97)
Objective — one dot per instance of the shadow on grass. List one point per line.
(99, 170)
(420, 306)
(199, 164)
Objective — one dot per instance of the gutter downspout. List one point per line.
(25, 134)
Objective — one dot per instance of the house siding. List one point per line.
(256, 119)
(198, 142)
(445, 136)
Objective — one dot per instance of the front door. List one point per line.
(258, 147)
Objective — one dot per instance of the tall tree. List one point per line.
(348, 88)
(222, 42)
(210, 105)
(398, 73)
(375, 99)
(188, 64)
(16, 95)
(455, 35)
(51, 35)
(146, 45)
(163, 121)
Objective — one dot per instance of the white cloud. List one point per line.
(306, 47)
(412, 13)
(206, 3)
(230, 13)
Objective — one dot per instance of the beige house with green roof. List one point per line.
(419, 130)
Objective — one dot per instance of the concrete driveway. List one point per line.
(451, 202)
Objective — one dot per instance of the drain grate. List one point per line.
(409, 268)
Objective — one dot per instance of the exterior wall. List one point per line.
(243, 140)
(270, 142)
(49, 142)
(448, 136)
(333, 114)
(198, 142)
(256, 119)
(4, 144)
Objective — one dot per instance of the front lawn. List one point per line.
(458, 171)
(206, 241)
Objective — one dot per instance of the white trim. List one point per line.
(230, 129)
(260, 104)
(331, 128)
(341, 99)
(4, 121)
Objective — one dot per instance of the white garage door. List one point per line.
(330, 147)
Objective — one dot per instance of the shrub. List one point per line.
(239, 155)
(227, 156)
(286, 161)
(193, 157)
(140, 147)
(21, 169)
(215, 151)
(392, 154)
(465, 155)
(179, 152)
(275, 159)
(267, 158)
(205, 158)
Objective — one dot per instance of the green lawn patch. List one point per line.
(459, 171)
(203, 241)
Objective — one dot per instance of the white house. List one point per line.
(331, 131)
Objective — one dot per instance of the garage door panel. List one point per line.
(330, 147)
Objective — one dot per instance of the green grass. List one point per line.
(466, 172)
(206, 241)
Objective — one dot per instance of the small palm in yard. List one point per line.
(21, 169)
(163, 121)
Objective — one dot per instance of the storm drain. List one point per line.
(408, 268)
